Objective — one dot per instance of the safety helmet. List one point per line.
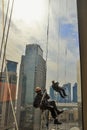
(53, 81)
(37, 89)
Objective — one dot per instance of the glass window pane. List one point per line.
(40, 48)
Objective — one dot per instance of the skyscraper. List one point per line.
(32, 74)
(67, 88)
(79, 81)
(8, 94)
(75, 92)
(52, 95)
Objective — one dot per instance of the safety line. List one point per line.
(7, 38)
(47, 32)
(4, 26)
(3, 15)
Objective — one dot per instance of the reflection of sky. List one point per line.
(66, 30)
(62, 35)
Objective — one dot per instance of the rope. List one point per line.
(3, 14)
(58, 53)
(47, 33)
(4, 26)
(44, 115)
(66, 62)
(44, 120)
(6, 38)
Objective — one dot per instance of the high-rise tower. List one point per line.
(6, 96)
(75, 92)
(32, 74)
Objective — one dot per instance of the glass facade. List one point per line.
(75, 92)
(32, 74)
(11, 66)
(52, 95)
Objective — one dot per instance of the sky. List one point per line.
(29, 25)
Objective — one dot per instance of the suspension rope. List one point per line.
(47, 32)
(3, 14)
(4, 25)
(66, 44)
(48, 16)
(44, 120)
(58, 52)
(4, 55)
(65, 63)
(66, 59)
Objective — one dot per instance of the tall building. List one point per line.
(32, 74)
(52, 94)
(79, 81)
(75, 92)
(67, 88)
(79, 92)
(7, 94)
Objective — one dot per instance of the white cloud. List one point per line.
(22, 33)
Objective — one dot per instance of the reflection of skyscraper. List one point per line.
(11, 66)
(52, 95)
(75, 92)
(67, 88)
(79, 81)
(32, 74)
(7, 119)
(79, 92)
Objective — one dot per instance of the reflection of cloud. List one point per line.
(14, 28)
(62, 36)
(0, 14)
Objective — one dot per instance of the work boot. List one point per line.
(57, 122)
(59, 112)
(65, 95)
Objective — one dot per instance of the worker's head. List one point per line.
(37, 89)
(53, 82)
